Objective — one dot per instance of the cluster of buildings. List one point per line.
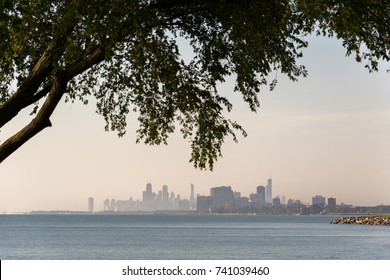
(225, 199)
(163, 200)
(319, 200)
(221, 199)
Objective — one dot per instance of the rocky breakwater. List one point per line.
(364, 220)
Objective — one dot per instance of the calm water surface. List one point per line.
(188, 237)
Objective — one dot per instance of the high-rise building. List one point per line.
(149, 187)
(90, 204)
(237, 195)
(165, 193)
(260, 191)
(276, 202)
(192, 198)
(164, 198)
(318, 200)
(268, 191)
(147, 195)
(257, 199)
(331, 203)
(222, 197)
(106, 205)
(112, 205)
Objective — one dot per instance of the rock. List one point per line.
(364, 220)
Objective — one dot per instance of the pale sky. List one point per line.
(327, 134)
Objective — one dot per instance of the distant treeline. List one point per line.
(380, 209)
(301, 209)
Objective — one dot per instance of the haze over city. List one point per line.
(326, 134)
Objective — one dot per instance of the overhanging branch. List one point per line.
(57, 90)
(20, 99)
(40, 122)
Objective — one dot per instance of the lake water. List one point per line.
(183, 237)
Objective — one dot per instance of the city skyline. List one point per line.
(229, 198)
(96, 207)
(111, 204)
(163, 200)
(325, 134)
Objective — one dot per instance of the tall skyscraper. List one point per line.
(149, 187)
(106, 205)
(257, 199)
(90, 204)
(165, 193)
(192, 198)
(260, 191)
(268, 191)
(164, 198)
(331, 203)
(147, 195)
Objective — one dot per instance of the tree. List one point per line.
(124, 54)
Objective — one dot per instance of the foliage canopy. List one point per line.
(125, 53)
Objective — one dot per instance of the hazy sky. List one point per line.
(327, 134)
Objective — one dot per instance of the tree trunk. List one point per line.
(40, 122)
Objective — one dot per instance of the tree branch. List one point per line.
(26, 93)
(40, 122)
(89, 60)
(42, 119)
(40, 94)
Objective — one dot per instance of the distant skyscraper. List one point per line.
(147, 195)
(106, 205)
(318, 200)
(260, 191)
(268, 191)
(149, 187)
(164, 198)
(222, 197)
(331, 203)
(112, 205)
(258, 199)
(276, 201)
(192, 198)
(159, 196)
(90, 204)
(165, 193)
